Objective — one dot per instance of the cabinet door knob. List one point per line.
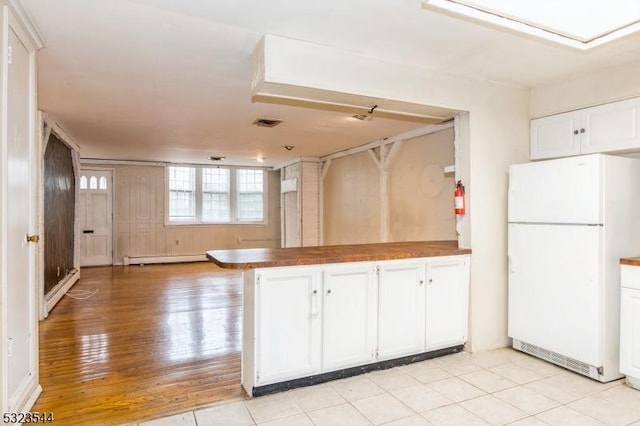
(315, 291)
(582, 130)
(421, 282)
(329, 291)
(575, 132)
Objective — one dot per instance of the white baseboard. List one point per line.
(56, 294)
(25, 396)
(163, 259)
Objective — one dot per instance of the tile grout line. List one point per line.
(512, 362)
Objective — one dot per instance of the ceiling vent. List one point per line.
(266, 122)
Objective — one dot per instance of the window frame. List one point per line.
(233, 196)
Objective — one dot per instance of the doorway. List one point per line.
(96, 217)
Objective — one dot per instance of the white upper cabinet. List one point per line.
(555, 136)
(612, 127)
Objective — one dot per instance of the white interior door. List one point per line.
(20, 303)
(555, 289)
(96, 219)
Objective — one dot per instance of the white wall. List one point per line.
(420, 202)
(606, 85)
(495, 135)
(406, 198)
(139, 216)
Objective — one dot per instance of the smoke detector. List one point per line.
(266, 122)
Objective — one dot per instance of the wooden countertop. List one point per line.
(633, 261)
(294, 256)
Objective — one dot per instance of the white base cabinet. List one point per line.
(401, 308)
(447, 302)
(630, 324)
(301, 321)
(287, 315)
(612, 127)
(348, 315)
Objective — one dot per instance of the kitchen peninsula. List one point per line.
(313, 314)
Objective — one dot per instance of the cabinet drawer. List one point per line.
(630, 276)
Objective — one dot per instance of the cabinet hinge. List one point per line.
(377, 270)
(9, 54)
(377, 353)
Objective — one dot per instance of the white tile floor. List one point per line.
(497, 388)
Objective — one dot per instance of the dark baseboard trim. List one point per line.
(349, 372)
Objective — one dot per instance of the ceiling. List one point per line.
(170, 80)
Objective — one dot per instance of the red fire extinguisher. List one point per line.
(458, 198)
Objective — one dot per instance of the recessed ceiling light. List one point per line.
(359, 117)
(216, 158)
(288, 147)
(260, 159)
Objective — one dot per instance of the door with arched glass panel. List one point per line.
(96, 206)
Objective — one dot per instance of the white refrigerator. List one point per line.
(570, 222)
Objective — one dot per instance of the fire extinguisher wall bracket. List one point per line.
(458, 198)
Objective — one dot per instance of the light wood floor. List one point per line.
(153, 341)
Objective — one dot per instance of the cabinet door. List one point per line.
(555, 136)
(401, 306)
(288, 306)
(611, 127)
(630, 333)
(447, 301)
(349, 315)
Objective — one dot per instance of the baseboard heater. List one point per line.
(163, 259)
(56, 293)
(559, 359)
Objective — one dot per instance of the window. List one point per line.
(93, 182)
(215, 195)
(250, 189)
(182, 194)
